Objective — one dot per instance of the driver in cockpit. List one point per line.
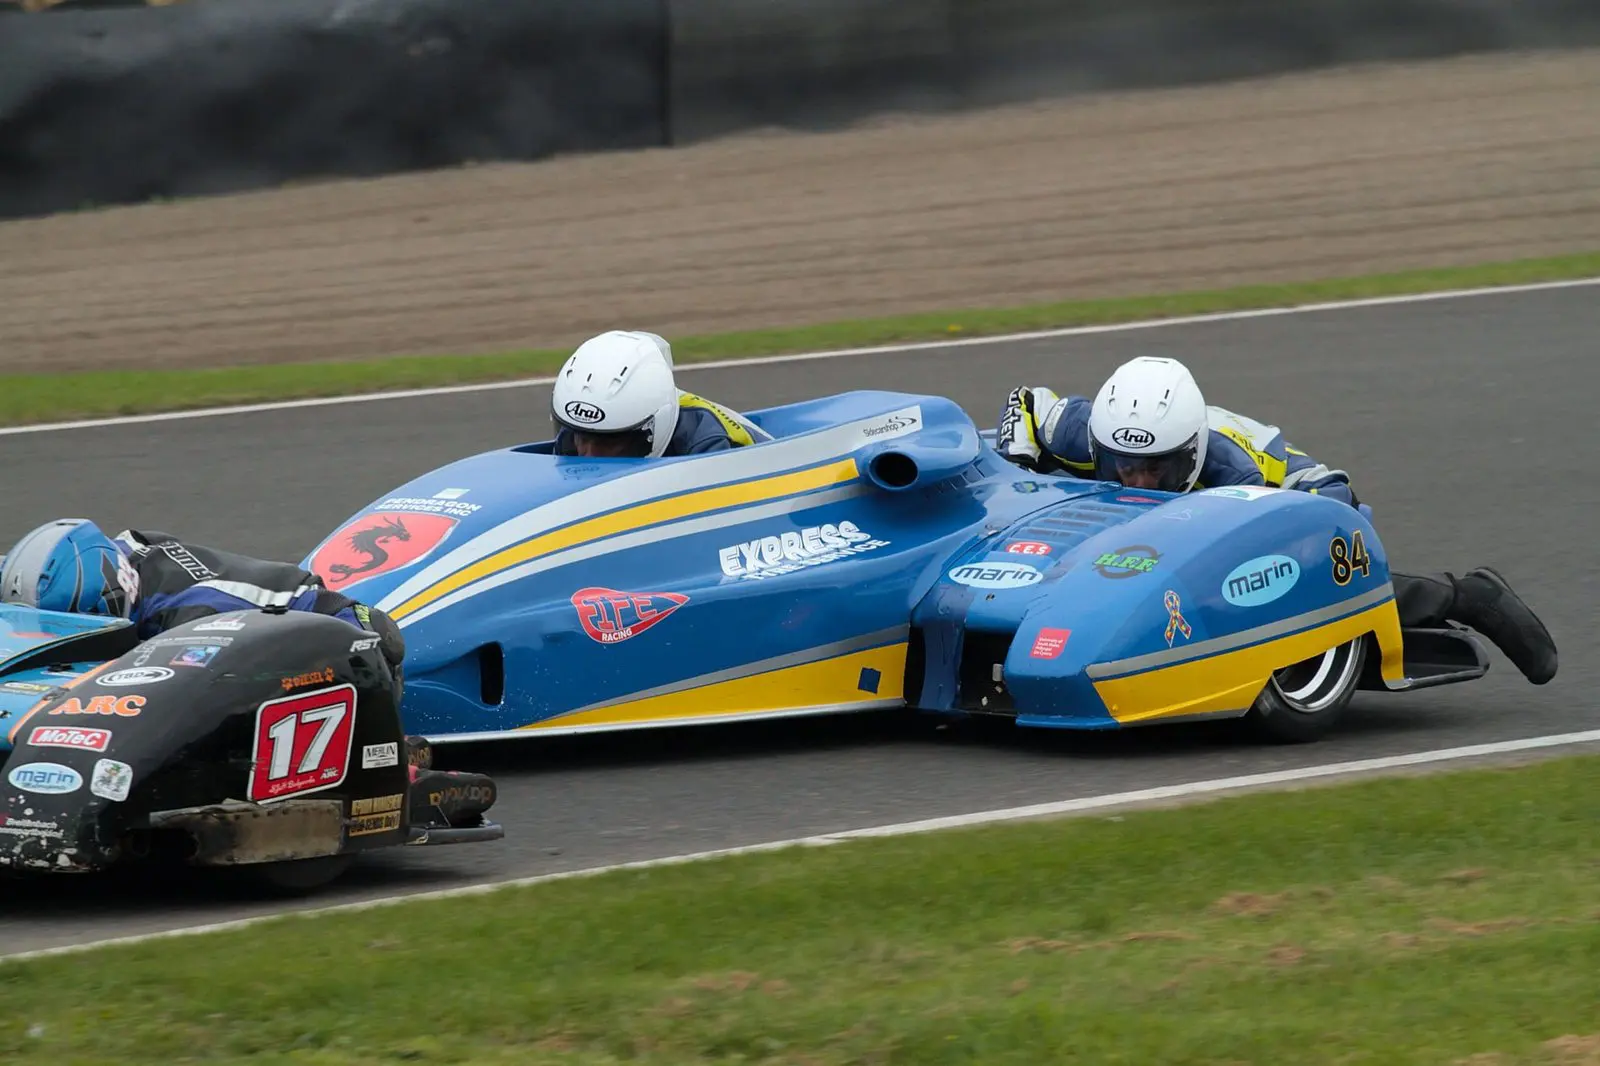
(616, 398)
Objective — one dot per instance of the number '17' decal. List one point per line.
(302, 743)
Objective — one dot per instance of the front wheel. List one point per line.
(1302, 702)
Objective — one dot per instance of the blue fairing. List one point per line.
(41, 651)
(857, 560)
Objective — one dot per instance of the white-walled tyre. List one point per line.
(1304, 701)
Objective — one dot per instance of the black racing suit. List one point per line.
(181, 582)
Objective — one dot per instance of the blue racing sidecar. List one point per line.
(876, 552)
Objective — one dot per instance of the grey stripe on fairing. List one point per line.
(763, 666)
(651, 535)
(1232, 641)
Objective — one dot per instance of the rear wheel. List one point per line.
(1304, 701)
(293, 877)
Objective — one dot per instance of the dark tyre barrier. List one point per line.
(808, 63)
(8, 7)
(1018, 48)
(821, 63)
(210, 96)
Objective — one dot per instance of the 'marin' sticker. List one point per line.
(1260, 581)
(996, 575)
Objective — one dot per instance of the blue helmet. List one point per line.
(69, 565)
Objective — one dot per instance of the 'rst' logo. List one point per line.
(610, 617)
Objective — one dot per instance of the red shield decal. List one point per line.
(378, 543)
(1028, 547)
(610, 617)
(1050, 643)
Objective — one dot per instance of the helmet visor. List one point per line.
(1167, 472)
(631, 443)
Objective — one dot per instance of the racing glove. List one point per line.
(390, 643)
(1018, 439)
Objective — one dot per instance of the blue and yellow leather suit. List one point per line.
(1239, 451)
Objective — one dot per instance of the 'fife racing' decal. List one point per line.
(610, 617)
(377, 543)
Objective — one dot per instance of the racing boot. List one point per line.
(1485, 601)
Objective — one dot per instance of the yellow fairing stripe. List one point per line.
(631, 518)
(1231, 682)
(829, 683)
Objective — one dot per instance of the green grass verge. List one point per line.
(32, 398)
(1417, 920)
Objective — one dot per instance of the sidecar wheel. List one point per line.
(1302, 702)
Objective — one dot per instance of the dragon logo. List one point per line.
(369, 542)
(378, 543)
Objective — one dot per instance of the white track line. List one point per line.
(1006, 814)
(966, 342)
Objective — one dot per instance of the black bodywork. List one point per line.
(270, 739)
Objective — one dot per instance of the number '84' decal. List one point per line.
(302, 743)
(1349, 556)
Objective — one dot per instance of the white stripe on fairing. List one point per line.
(651, 535)
(655, 483)
(1101, 802)
(255, 594)
(994, 340)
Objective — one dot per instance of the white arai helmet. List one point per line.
(617, 388)
(1148, 428)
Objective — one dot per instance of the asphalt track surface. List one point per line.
(1469, 424)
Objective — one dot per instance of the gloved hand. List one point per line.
(1018, 438)
(390, 643)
